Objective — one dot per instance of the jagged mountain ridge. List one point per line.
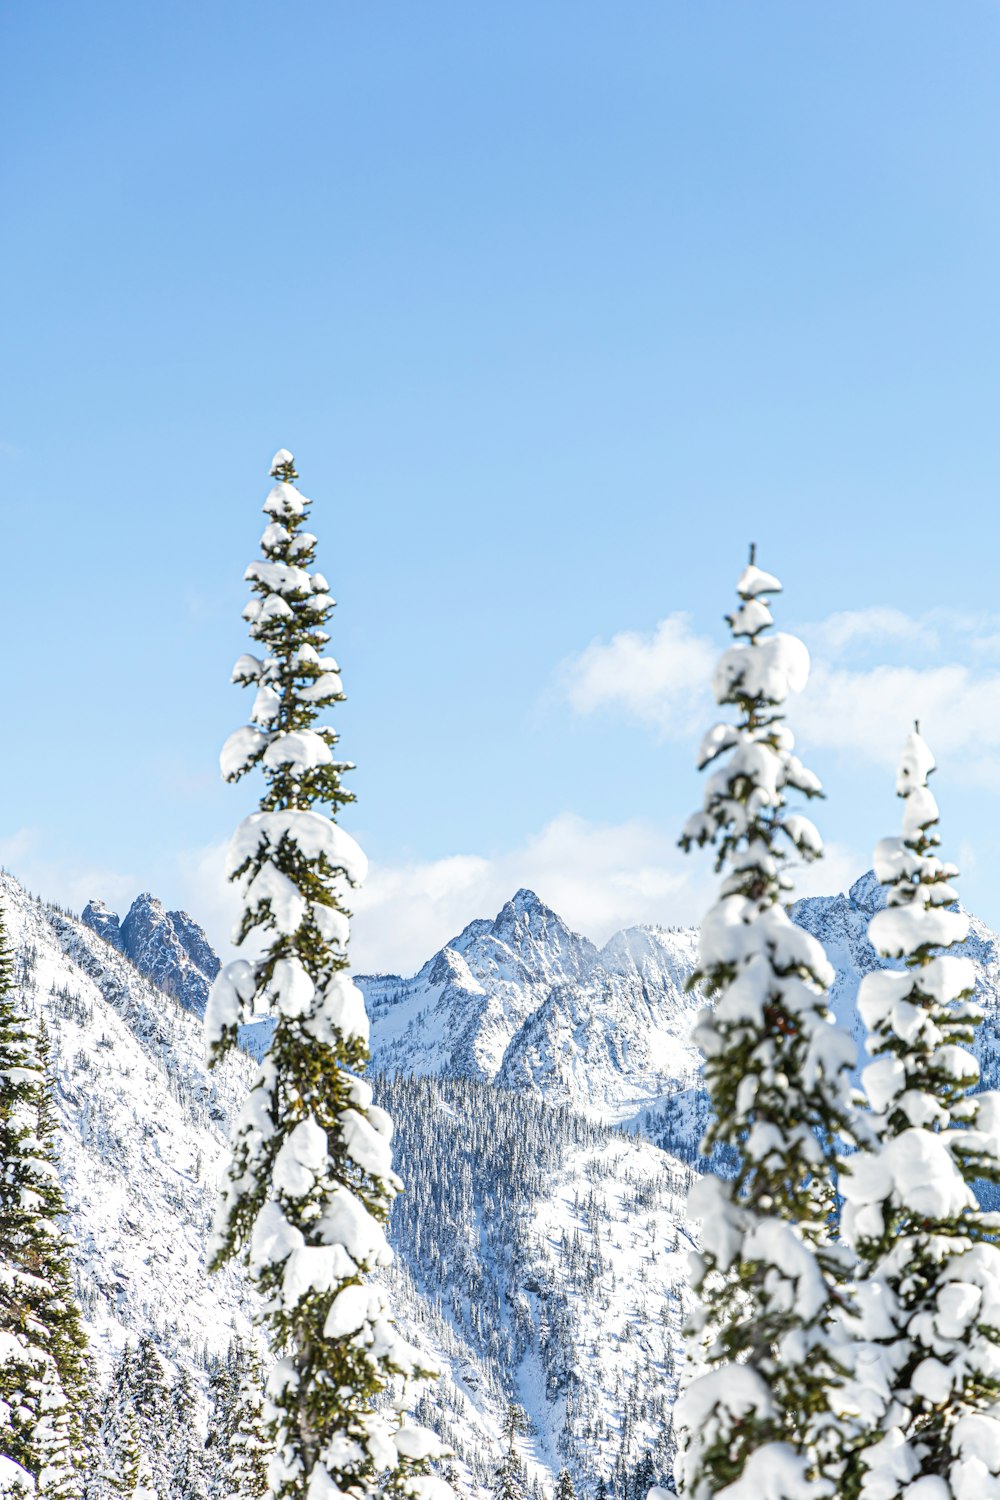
(167, 947)
(142, 1126)
(524, 1001)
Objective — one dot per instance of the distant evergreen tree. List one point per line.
(768, 1275)
(150, 1394)
(90, 1428)
(311, 1180)
(510, 1481)
(223, 1391)
(248, 1444)
(119, 1440)
(186, 1450)
(564, 1486)
(929, 1263)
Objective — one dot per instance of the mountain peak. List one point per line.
(168, 948)
(102, 920)
(524, 903)
(867, 894)
(525, 917)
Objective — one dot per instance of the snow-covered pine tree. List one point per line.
(15, 1483)
(40, 1332)
(564, 1486)
(510, 1480)
(149, 1392)
(223, 1389)
(762, 1416)
(311, 1181)
(60, 1319)
(188, 1463)
(119, 1443)
(928, 1258)
(246, 1475)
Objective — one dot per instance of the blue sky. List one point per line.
(558, 306)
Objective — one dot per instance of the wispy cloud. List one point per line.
(661, 678)
(657, 677)
(878, 625)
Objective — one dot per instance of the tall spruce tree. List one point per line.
(564, 1486)
(762, 1417)
(119, 1443)
(310, 1181)
(40, 1334)
(149, 1389)
(59, 1316)
(928, 1260)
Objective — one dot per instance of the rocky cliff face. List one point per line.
(167, 947)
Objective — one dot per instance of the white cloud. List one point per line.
(878, 623)
(869, 713)
(661, 678)
(658, 677)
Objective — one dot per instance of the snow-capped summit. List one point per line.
(527, 1001)
(167, 947)
(867, 894)
(458, 1013)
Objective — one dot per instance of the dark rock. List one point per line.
(168, 948)
(105, 923)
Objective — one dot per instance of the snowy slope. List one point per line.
(556, 1249)
(619, 1040)
(142, 1129)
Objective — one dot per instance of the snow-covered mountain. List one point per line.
(533, 1247)
(458, 1014)
(540, 1246)
(142, 1128)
